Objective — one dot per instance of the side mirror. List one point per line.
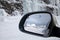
(37, 23)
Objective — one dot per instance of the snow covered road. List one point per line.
(10, 31)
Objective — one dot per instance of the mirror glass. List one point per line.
(38, 23)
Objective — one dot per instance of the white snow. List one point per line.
(16, 13)
(58, 21)
(3, 13)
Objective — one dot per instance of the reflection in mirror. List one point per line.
(38, 23)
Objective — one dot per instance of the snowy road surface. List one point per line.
(10, 31)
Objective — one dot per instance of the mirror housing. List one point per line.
(21, 24)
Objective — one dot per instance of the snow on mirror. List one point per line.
(38, 23)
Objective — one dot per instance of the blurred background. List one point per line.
(19, 7)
